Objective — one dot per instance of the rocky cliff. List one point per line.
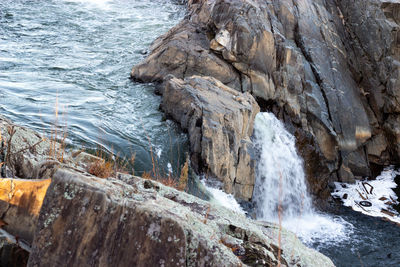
(328, 68)
(219, 121)
(76, 219)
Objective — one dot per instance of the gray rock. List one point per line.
(87, 221)
(13, 253)
(219, 122)
(329, 69)
(24, 151)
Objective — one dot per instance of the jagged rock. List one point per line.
(377, 148)
(329, 69)
(23, 151)
(87, 221)
(13, 253)
(20, 203)
(26, 154)
(219, 121)
(186, 54)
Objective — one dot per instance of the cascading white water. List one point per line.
(280, 183)
(280, 176)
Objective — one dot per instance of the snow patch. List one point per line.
(371, 197)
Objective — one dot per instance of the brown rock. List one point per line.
(86, 221)
(219, 121)
(23, 151)
(20, 203)
(330, 69)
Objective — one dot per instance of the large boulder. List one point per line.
(219, 121)
(129, 221)
(24, 153)
(329, 69)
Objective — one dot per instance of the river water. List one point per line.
(77, 55)
(81, 53)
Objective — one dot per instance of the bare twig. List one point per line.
(372, 188)
(207, 213)
(361, 195)
(28, 147)
(280, 210)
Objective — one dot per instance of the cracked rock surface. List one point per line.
(328, 68)
(130, 221)
(219, 121)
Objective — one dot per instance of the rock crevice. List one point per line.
(329, 68)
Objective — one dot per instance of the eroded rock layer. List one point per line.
(77, 219)
(129, 221)
(328, 68)
(219, 121)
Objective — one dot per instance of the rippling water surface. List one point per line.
(81, 52)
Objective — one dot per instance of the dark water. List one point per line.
(79, 53)
(373, 242)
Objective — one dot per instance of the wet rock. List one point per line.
(377, 149)
(327, 68)
(219, 121)
(87, 221)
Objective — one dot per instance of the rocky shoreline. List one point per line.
(328, 69)
(73, 218)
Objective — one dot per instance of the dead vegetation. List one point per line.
(101, 169)
(107, 164)
(179, 183)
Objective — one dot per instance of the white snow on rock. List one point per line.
(371, 197)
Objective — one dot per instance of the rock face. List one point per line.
(81, 220)
(219, 121)
(20, 203)
(13, 253)
(25, 153)
(129, 221)
(329, 69)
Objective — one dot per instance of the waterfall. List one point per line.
(281, 183)
(280, 180)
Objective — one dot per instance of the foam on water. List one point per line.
(281, 187)
(222, 198)
(103, 4)
(318, 228)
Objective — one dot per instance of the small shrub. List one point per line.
(102, 169)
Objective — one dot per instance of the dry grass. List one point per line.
(183, 179)
(102, 169)
(179, 183)
(169, 181)
(58, 135)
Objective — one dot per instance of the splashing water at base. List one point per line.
(280, 183)
(220, 197)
